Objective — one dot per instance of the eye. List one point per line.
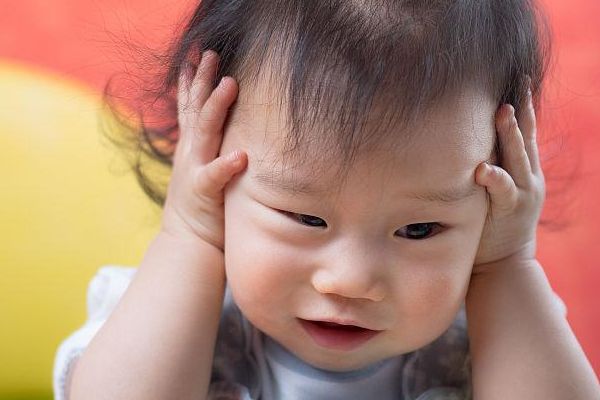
(419, 231)
(306, 219)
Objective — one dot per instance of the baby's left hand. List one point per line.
(517, 192)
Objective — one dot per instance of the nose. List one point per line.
(356, 273)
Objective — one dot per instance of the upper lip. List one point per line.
(341, 321)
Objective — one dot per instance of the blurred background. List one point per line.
(69, 205)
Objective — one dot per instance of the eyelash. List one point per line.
(301, 219)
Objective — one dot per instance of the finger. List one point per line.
(514, 156)
(213, 177)
(211, 119)
(194, 88)
(499, 184)
(204, 81)
(528, 124)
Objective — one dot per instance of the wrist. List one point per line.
(509, 280)
(191, 251)
(188, 240)
(522, 259)
(192, 230)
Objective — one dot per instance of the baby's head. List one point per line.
(363, 122)
(385, 241)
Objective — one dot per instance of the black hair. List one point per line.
(338, 60)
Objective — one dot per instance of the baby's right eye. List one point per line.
(305, 219)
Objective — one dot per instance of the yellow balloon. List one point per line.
(69, 205)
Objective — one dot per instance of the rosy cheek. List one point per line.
(260, 271)
(263, 285)
(425, 293)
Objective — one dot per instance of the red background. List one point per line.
(81, 40)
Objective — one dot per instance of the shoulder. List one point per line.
(106, 288)
(233, 372)
(104, 291)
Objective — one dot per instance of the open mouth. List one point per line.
(333, 325)
(337, 336)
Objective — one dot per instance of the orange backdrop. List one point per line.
(78, 40)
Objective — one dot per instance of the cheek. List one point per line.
(431, 289)
(427, 293)
(427, 304)
(260, 272)
(255, 266)
(438, 282)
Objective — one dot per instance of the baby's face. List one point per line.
(371, 249)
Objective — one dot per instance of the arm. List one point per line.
(521, 345)
(158, 342)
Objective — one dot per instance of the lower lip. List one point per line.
(338, 339)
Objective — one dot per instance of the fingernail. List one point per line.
(221, 84)
(486, 167)
(186, 72)
(510, 113)
(234, 156)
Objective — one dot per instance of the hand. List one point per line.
(194, 203)
(517, 191)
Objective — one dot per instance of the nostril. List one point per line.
(345, 286)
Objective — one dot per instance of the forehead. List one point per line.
(452, 139)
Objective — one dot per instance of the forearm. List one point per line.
(522, 347)
(158, 342)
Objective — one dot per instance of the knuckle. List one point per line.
(497, 173)
(216, 101)
(211, 175)
(207, 115)
(217, 111)
(508, 191)
(204, 181)
(214, 173)
(185, 111)
(215, 105)
(506, 183)
(529, 182)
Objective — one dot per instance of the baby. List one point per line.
(363, 176)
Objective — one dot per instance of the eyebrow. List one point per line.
(450, 195)
(279, 183)
(288, 185)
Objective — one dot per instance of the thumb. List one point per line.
(500, 185)
(213, 177)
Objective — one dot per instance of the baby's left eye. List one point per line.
(419, 231)
(305, 219)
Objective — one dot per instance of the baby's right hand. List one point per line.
(194, 204)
